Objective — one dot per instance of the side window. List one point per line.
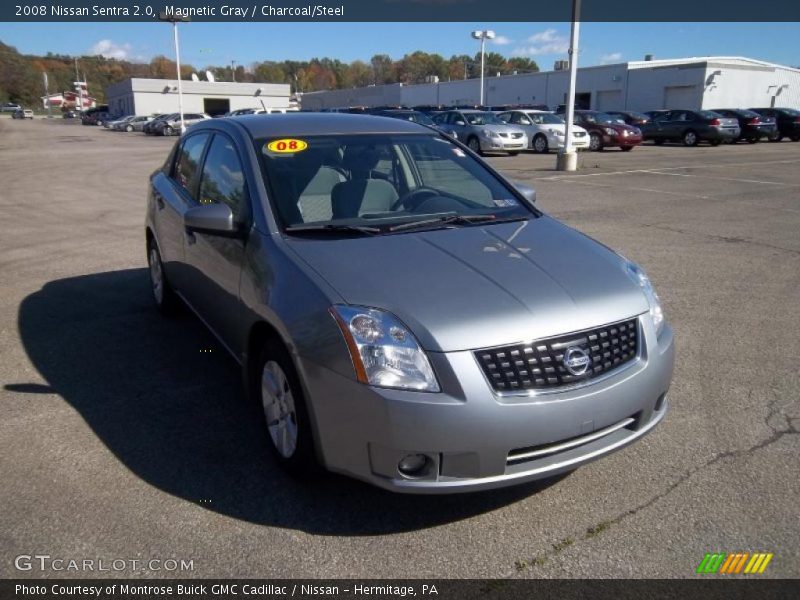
(223, 180)
(187, 162)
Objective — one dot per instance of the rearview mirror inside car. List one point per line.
(527, 191)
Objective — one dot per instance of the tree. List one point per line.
(383, 69)
(269, 72)
(522, 64)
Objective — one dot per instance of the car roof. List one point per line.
(299, 123)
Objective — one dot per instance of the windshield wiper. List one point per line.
(446, 220)
(333, 228)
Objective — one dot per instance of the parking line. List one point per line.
(659, 172)
(700, 166)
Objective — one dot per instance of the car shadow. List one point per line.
(163, 396)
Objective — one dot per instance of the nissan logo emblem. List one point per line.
(576, 360)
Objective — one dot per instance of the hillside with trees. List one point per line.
(21, 75)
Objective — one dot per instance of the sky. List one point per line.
(205, 44)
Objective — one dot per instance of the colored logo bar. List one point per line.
(735, 563)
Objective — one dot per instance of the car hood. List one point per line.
(500, 128)
(476, 287)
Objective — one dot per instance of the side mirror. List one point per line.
(527, 191)
(460, 123)
(210, 218)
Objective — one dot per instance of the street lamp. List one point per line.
(174, 19)
(487, 34)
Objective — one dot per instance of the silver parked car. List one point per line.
(172, 124)
(482, 131)
(134, 123)
(402, 313)
(545, 130)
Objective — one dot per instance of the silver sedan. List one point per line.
(402, 313)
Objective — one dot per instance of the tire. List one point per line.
(626, 148)
(658, 142)
(167, 130)
(474, 144)
(165, 299)
(775, 137)
(690, 138)
(714, 142)
(595, 143)
(540, 145)
(795, 138)
(752, 140)
(99, 123)
(129, 128)
(279, 399)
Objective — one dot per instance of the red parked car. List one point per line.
(606, 131)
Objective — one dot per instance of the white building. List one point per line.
(691, 83)
(151, 96)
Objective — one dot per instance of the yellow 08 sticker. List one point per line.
(288, 145)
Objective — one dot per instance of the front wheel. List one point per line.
(690, 138)
(167, 130)
(595, 143)
(129, 128)
(626, 148)
(283, 408)
(475, 146)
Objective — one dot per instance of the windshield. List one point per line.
(602, 118)
(483, 118)
(545, 119)
(414, 117)
(790, 111)
(380, 181)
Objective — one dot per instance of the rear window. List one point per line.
(709, 114)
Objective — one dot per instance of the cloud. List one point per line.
(109, 49)
(610, 58)
(544, 43)
(502, 40)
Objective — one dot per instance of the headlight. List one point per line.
(639, 277)
(490, 134)
(384, 352)
(610, 131)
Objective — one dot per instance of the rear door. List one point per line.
(214, 262)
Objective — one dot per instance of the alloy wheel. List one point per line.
(279, 409)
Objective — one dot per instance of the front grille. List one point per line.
(540, 364)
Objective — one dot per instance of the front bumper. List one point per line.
(555, 142)
(472, 435)
(503, 144)
(621, 140)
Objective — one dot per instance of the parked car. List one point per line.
(96, 116)
(691, 127)
(630, 117)
(150, 128)
(407, 114)
(429, 330)
(11, 107)
(69, 114)
(22, 113)
(114, 123)
(545, 130)
(482, 131)
(172, 125)
(606, 131)
(652, 114)
(752, 125)
(787, 119)
(130, 124)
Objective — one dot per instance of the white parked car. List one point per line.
(546, 131)
(22, 113)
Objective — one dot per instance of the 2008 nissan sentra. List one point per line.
(402, 313)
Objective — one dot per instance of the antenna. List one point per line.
(195, 77)
(210, 76)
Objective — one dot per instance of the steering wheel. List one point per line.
(404, 199)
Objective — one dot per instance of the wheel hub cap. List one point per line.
(279, 410)
(156, 276)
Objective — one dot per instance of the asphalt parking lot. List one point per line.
(125, 436)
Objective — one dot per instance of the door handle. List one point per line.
(190, 237)
(159, 201)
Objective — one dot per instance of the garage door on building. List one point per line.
(609, 100)
(680, 96)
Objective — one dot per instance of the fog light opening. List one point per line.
(660, 402)
(414, 465)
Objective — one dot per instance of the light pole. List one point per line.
(567, 159)
(487, 34)
(233, 71)
(175, 20)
